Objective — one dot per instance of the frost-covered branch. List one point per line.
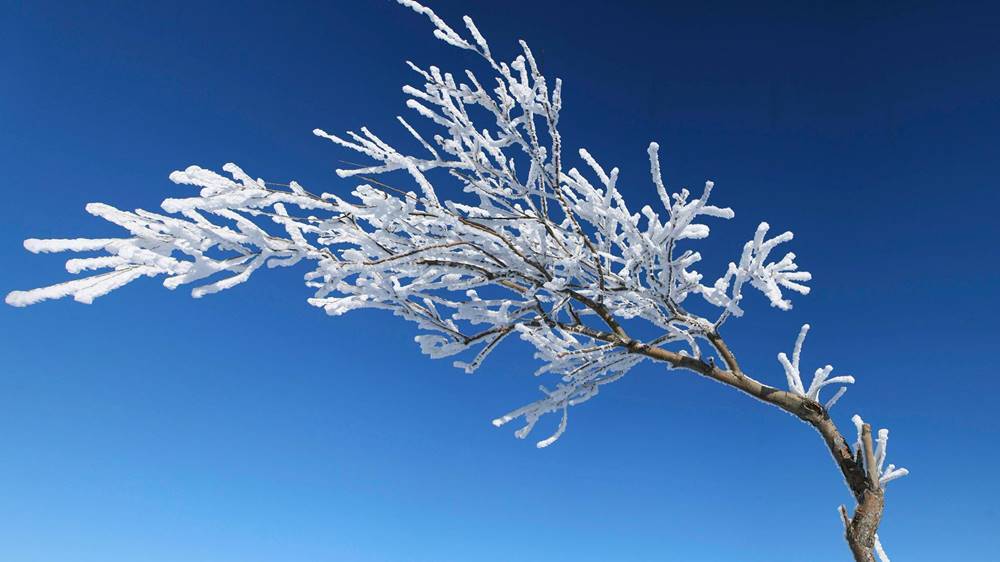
(487, 232)
(867, 478)
(881, 474)
(552, 255)
(820, 379)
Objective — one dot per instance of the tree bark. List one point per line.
(859, 472)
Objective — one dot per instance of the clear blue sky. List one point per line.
(250, 427)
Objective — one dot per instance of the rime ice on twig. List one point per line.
(768, 277)
(549, 253)
(533, 248)
(879, 551)
(872, 462)
(885, 474)
(820, 378)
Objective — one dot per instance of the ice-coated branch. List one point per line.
(191, 247)
(551, 254)
(767, 277)
(882, 474)
(490, 232)
(820, 379)
(882, 556)
(867, 478)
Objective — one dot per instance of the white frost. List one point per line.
(820, 379)
(888, 473)
(529, 247)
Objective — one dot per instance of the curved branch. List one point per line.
(863, 483)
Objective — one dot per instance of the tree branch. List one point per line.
(863, 484)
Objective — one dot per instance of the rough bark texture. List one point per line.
(860, 474)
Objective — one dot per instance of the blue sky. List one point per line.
(250, 427)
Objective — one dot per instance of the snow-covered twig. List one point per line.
(570, 259)
(885, 474)
(486, 232)
(820, 378)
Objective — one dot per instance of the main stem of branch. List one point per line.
(860, 474)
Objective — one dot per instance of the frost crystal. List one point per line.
(486, 234)
(530, 248)
(820, 378)
(886, 474)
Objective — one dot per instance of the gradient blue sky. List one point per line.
(250, 427)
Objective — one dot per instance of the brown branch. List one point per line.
(861, 477)
(866, 443)
(603, 312)
(415, 251)
(860, 534)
